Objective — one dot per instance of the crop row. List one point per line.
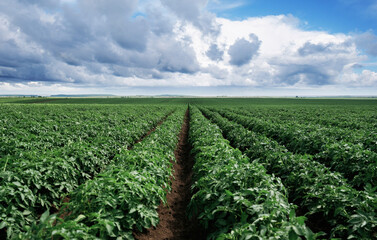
(326, 198)
(340, 116)
(32, 184)
(352, 160)
(125, 196)
(365, 138)
(235, 198)
(33, 130)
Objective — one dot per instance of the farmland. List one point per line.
(188, 168)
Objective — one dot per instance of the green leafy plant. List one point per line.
(321, 194)
(233, 197)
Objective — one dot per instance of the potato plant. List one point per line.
(235, 198)
(323, 196)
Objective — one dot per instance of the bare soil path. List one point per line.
(150, 131)
(174, 223)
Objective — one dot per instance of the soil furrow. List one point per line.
(150, 131)
(174, 224)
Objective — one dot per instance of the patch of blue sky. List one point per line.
(332, 16)
(138, 14)
(371, 64)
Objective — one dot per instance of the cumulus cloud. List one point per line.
(177, 58)
(81, 43)
(366, 78)
(304, 74)
(321, 48)
(242, 51)
(368, 42)
(215, 53)
(132, 35)
(288, 55)
(187, 9)
(216, 72)
(194, 11)
(88, 39)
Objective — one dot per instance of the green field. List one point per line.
(263, 168)
(286, 102)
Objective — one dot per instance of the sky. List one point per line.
(189, 47)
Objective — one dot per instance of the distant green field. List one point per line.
(204, 101)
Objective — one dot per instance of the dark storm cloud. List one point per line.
(215, 53)
(242, 51)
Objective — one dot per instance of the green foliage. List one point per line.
(125, 195)
(236, 199)
(76, 150)
(48, 151)
(330, 146)
(320, 193)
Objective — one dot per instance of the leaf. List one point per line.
(9, 232)
(79, 218)
(298, 231)
(229, 193)
(109, 228)
(292, 214)
(301, 220)
(44, 216)
(26, 212)
(18, 184)
(154, 221)
(292, 235)
(3, 224)
(132, 210)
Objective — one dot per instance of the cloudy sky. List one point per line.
(193, 47)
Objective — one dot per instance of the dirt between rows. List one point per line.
(174, 224)
(150, 131)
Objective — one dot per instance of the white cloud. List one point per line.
(242, 51)
(288, 55)
(169, 44)
(365, 78)
(367, 41)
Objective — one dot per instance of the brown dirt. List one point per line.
(150, 131)
(174, 224)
